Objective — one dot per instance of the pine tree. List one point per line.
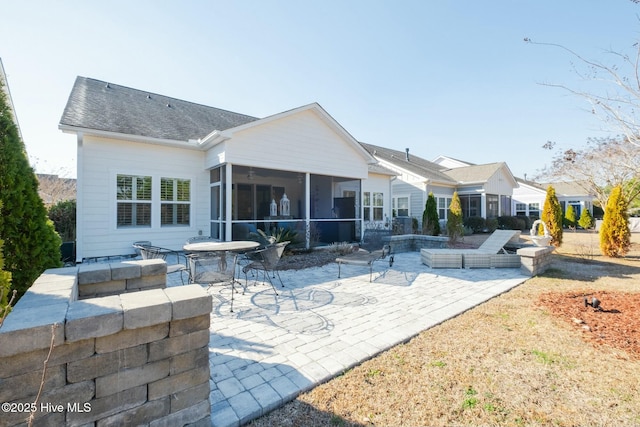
(552, 216)
(570, 217)
(615, 236)
(455, 226)
(31, 244)
(430, 219)
(586, 220)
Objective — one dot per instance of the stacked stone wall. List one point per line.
(126, 349)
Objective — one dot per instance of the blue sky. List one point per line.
(437, 77)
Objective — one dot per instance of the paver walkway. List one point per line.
(273, 348)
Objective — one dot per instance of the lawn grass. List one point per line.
(507, 362)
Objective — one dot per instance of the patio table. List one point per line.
(221, 249)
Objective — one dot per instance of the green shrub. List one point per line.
(511, 223)
(615, 236)
(430, 218)
(63, 215)
(570, 217)
(476, 223)
(31, 244)
(491, 225)
(586, 221)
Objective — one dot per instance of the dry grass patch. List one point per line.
(515, 360)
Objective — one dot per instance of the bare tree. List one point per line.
(614, 90)
(602, 165)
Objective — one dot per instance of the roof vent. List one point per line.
(107, 86)
(407, 153)
(148, 96)
(168, 105)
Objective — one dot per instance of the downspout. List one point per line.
(79, 199)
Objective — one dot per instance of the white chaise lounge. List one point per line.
(490, 254)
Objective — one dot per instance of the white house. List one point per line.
(160, 169)
(484, 190)
(529, 197)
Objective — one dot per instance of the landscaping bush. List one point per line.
(569, 220)
(31, 244)
(586, 221)
(615, 236)
(476, 223)
(491, 225)
(552, 216)
(430, 219)
(63, 215)
(527, 221)
(511, 223)
(455, 227)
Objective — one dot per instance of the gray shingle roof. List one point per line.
(94, 104)
(475, 173)
(415, 164)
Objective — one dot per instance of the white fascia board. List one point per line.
(127, 137)
(214, 138)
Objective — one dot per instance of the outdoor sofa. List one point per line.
(491, 254)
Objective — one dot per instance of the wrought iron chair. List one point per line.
(266, 260)
(207, 267)
(148, 251)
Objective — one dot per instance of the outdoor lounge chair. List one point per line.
(365, 258)
(490, 254)
(147, 251)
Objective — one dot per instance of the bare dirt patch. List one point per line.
(615, 324)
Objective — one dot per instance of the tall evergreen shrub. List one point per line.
(570, 217)
(31, 244)
(586, 221)
(615, 236)
(455, 226)
(430, 219)
(5, 279)
(552, 216)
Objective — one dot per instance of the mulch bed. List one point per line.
(616, 325)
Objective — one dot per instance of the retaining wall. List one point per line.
(127, 350)
(415, 242)
(535, 260)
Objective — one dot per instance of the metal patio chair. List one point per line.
(148, 251)
(266, 260)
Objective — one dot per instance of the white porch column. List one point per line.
(227, 202)
(483, 205)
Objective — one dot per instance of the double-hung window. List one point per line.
(401, 205)
(134, 201)
(175, 201)
(373, 204)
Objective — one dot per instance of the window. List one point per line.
(373, 204)
(470, 205)
(175, 201)
(505, 205)
(443, 206)
(521, 209)
(401, 205)
(492, 206)
(534, 210)
(133, 201)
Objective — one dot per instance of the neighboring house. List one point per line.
(529, 197)
(484, 190)
(160, 169)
